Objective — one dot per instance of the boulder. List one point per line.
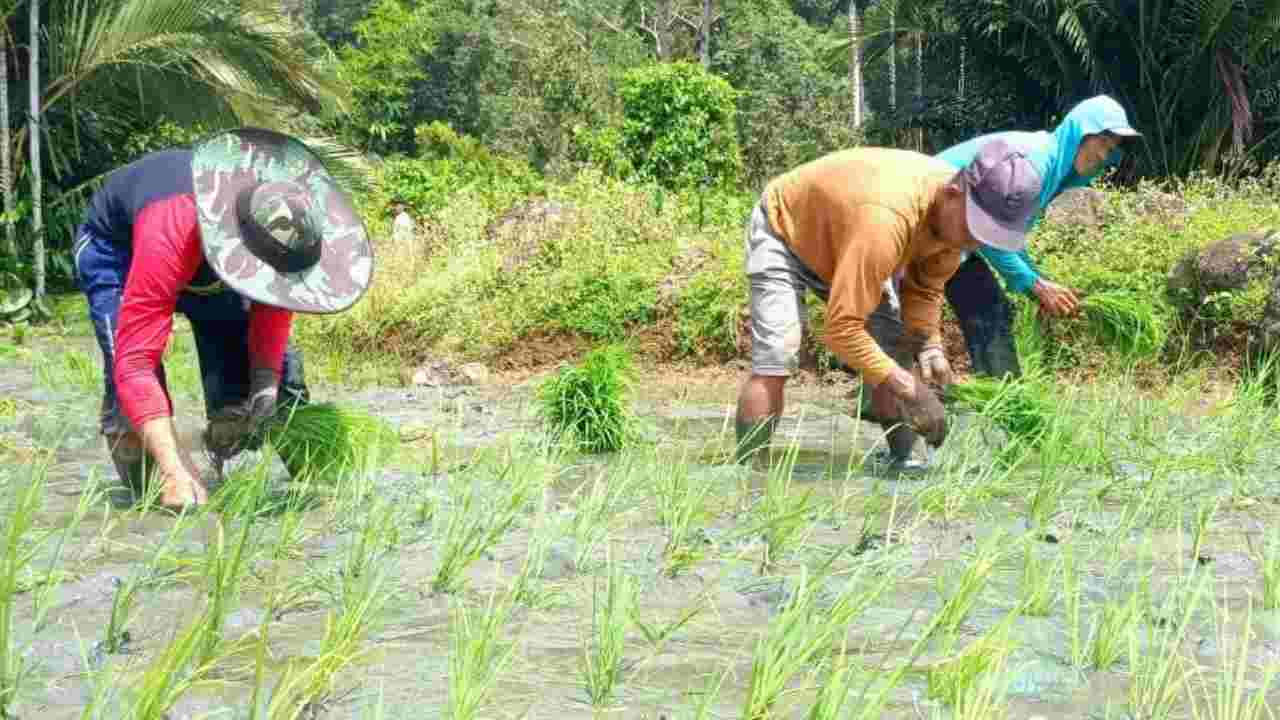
(1077, 207)
(474, 373)
(524, 229)
(1231, 263)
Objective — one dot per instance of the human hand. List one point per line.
(925, 414)
(181, 485)
(934, 366)
(1054, 298)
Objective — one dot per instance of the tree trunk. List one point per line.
(33, 131)
(963, 49)
(855, 62)
(919, 67)
(893, 59)
(704, 42)
(6, 166)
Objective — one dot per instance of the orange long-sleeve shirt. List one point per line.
(855, 217)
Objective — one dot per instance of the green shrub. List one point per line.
(450, 164)
(586, 404)
(679, 125)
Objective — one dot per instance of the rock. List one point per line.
(433, 374)
(1229, 264)
(1165, 208)
(524, 230)
(474, 373)
(1078, 207)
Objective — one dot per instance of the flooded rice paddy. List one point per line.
(1129, 569)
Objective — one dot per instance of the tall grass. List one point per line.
(586, 405)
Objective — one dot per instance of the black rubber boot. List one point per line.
(131, 465)
(986, 319)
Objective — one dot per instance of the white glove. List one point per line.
(933, 365)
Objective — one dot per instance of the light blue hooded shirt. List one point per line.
(1053, 155)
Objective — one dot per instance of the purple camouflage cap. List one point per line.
(1003, 195)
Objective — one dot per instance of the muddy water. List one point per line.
(403, 671)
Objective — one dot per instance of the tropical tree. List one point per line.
(1183, 68)
(111, 67)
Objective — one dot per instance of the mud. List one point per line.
(403, 670)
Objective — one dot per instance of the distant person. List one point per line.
(237, 235)
(843, 225)
(402, 229)
(1090, 138)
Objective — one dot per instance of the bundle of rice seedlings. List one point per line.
(323, 441)
(1020, 407)
(587, 404)
(1126, 320)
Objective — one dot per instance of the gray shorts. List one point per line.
(778, 317)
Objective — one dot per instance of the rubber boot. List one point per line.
(130, 462)
(753, 437)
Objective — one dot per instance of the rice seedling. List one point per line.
(799, 634)
(1232, 697)
(602, 650)
(224, 568)
(707, 698)
(1271, 571)
(1113, 630)
(479, 654)
(1160, 671)
(969, 585)
(323, 441)
(306, 689)
(476, 522)
(172, 673)
(599, 502)
(586, 405)
(1133, 323)
(43, 595)
(958, 679)
(658, 634)
(833, 689)
(1039, 583)
(681, 503)
(1020, 407)
(984, 699)
(15, 557)
(782, 518)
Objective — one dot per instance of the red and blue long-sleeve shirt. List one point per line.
(148, 208)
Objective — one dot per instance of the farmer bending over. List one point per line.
(841, 226)
(1090, 138)
(236, 234)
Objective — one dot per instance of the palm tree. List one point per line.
(6, 168)
(1182, 67)
(37, 216)
(217, 62)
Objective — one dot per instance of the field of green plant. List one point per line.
(503, 559)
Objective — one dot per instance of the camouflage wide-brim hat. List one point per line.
(274, 224)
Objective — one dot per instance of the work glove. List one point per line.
(239, 427)
(933, 365)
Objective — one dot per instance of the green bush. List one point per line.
(1134, 249)
(586, 404)
(450, 164)
(679, 125)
